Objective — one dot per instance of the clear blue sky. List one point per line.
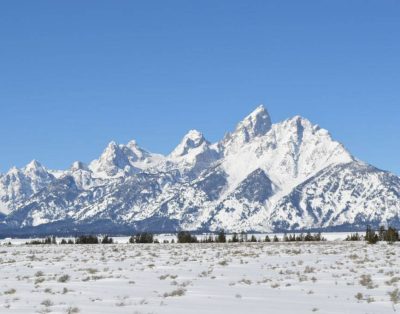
(75, 75)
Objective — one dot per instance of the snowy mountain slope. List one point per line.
(193, 155)
(353, 193)
(17, 185)
(290, 152)
(289, 175)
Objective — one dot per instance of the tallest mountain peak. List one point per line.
(260, 109)
(256, 124)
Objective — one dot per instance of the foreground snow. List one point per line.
(199, 278)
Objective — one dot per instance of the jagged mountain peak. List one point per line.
(119, 160)
(112, 147)
(32, 170)
(113, 152)
(301, 123)
(34, 164)
(193, 139)
(302, 131)
(135, 152)
(35, 170)
(256, 124)
(291, 151)
(133, 145)
(112, 162)
(13, 171)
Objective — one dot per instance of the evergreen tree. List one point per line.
(299, 237)
(370, 236)
(186, 237)
(353, 237)
(308, 237)
(235, 237)
(391, 235)
(221, 237)
(84, 239)
(107, 240)
(144, 237)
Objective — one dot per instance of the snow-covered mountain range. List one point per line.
(261, 177)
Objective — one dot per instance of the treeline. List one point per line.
(371, 236)
(390, 235)
(185, 237)
(48, 240)
(84, 239)
(308, 237)
(221, 237)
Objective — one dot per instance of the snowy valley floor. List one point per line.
(329, 277)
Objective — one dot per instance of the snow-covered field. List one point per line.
(326, 277)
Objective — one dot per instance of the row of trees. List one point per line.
(389, 235)
(221, 237)
(144, 237)
(372, 236)
(84, 239)
(308, 237)
(48, 240)
(184, 237)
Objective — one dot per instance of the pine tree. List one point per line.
(391, 235)
(353, 237)
(144, 237)
(107, 240)
(308, 237)
(221, 238)
(235, 237)
(186, 237)
(87, 239)
(370, 236)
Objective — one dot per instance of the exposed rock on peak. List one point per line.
(256, 124)
(192, 140)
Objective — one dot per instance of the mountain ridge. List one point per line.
(290, 175)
